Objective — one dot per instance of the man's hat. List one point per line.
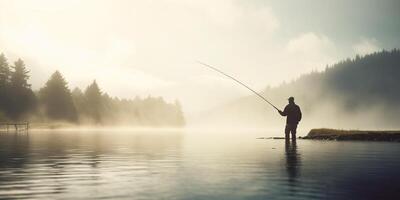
(291, 98)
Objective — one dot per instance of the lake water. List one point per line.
(177, 165)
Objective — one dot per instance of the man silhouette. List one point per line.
(293, 113)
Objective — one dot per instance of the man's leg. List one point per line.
(293, 131)
(287, 131)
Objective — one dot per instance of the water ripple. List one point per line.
(142, 166)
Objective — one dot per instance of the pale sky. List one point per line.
(150, 47)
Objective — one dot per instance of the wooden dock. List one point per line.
(14, 126)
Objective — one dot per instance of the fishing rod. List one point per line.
(221, 72)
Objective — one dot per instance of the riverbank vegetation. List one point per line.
(334, 134)
(55, 102)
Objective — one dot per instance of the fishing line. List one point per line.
(221, 72)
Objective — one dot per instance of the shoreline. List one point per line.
(62, 126)
(355, 135)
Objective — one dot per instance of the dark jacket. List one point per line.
(293, 113)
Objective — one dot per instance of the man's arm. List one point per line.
(284, 112)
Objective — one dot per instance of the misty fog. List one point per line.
(356, 93)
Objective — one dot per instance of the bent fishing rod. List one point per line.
(244, 85)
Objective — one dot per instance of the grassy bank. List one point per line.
(334, 134)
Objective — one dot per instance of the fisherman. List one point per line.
(293, 113)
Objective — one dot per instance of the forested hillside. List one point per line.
(362, 92)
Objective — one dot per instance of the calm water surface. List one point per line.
(169, 165)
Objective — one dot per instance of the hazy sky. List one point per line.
(150, 47)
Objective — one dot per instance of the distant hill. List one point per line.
(358, 93)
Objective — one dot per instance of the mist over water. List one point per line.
(357, 93)
(192, 165)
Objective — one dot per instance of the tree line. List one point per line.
(56, 102)
(364, 89)
(355, 83)
(357, 92)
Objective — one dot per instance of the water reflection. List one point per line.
(293, 160)
(44, 165)
(114, 165)
(16, 147)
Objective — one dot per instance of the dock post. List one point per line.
(19, 126)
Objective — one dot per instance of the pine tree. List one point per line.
(4, 80)
(21, 97)
(4, 71)
(56, 99)
(79, 101)
(19, 77)
(94, 102)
